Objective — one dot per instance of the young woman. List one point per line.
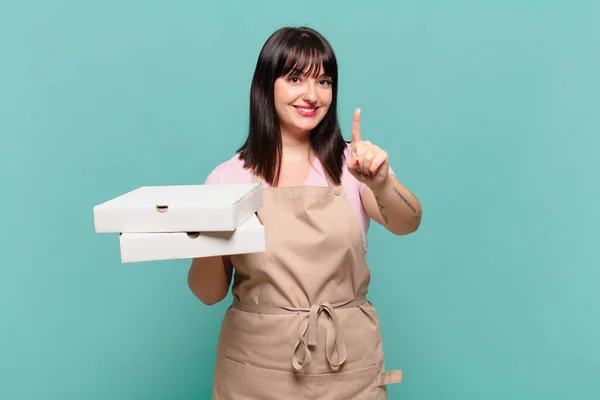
(300, 326)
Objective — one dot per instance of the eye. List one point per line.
(325, 82)
(294, 79)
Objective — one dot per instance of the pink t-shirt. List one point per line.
(232, 171)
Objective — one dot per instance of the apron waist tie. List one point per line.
(308, 332)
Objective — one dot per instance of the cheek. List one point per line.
(281, 100)
(281, 93)
(326, 98)
(325, 104)
(285, 97)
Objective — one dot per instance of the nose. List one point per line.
(310, 92)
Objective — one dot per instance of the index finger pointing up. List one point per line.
(356, 127)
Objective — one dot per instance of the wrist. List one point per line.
(386, 185)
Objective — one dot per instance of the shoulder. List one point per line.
(231, 171)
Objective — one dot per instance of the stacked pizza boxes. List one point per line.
(187, 221)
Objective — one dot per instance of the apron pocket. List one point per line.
(237, 381)
(364, 384)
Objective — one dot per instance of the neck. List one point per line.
(295, 146)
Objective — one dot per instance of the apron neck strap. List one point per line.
(257, 179)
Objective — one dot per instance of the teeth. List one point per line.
(306, 109)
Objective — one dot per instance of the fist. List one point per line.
(368, 163)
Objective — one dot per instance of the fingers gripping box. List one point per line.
(174, 222)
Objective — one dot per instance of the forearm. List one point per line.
(399, 208)
(209, 279)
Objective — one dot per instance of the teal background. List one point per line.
(489, 111)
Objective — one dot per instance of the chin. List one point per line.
(305, 128)
(308, 124)
(302, 126)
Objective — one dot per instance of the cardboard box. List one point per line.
(249, 237)
(190, 208)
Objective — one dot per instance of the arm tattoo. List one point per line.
(405, 200)
(381, 207)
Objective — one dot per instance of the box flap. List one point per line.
(164, 197)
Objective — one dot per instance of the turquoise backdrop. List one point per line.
(489, 111)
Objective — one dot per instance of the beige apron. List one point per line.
(300, 326)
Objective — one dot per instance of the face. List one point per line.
(301, 102)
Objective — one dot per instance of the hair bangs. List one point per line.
(309, 58)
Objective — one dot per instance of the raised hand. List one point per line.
(368, 163)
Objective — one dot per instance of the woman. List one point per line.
(300, 326)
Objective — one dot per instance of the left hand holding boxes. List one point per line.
(175, 222)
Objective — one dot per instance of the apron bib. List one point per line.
(300, 326)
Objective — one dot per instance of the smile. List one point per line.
(307, 111)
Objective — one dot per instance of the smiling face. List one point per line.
(302, 101)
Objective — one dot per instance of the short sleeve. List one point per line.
(212, 178)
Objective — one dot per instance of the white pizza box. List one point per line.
(179, 208)
(249, 237)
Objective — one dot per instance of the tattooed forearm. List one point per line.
(395, 215)
(381, 207)
(405, 200)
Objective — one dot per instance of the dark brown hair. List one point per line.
(285, 51)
